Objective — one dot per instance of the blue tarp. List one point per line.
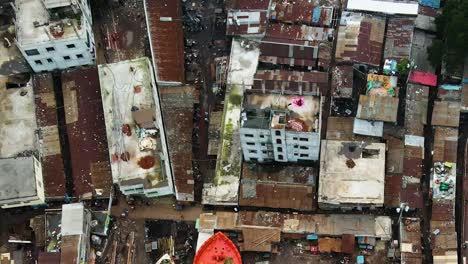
(465, 80)
(316, 14)
(451, 87)
(430, 3)
(312, 237)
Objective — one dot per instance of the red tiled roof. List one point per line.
(167, 39)
(428, 79)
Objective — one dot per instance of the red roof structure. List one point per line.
(167, 39)
(425, 78)
(218, 249)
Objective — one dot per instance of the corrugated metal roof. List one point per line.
(303, 11)
(383, 108)
(86, 131)
(167, 39)
(430, 3)
(69, 249)
(290, 187)
(392, 190)
(46, 113)
(398, 38)
(446, 113)
(360, 38)
(384, 6)
(48, 258)
(445, 144)
(248, 4)
(177, 109)
(246, 23)
(300, 33)
(291, 82)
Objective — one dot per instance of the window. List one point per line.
(294, 138)
(50, 49)
(38, 62)
(264, 152)
(87, 39)
(304, 139)
(303, 147)
(278, 141)
(250, 143)
(280, 157)
(296, 146)
(71, 46)
(79, 56)
(50, 60)
(248, 135)
(304, 155)
(262, 136)
(263, 144)
(279, 149)
(278, 133)
(31, 52)
(252, 151)
(66, 57)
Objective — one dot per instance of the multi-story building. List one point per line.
(76, 229)
(21, 182)
(280, 128)
(54, 34)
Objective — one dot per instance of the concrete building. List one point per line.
(76, 231)
(21, 182)
(135, 132)
(352, 174)
(280, 128)
(54, 34)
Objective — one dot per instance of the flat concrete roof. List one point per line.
(17, 119)
(17, 178)
(351, 173)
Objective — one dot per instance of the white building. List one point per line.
(280, 128)
(21, 182)
(54, 34)
(75, 232)
(135, 131)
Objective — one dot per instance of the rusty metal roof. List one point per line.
(283, 52)
(416, 108)
(177, 109)
(398, 38)
(297, 34)
(392, 190)
(167, 39)
(445, 144)
(69, 248)
(248, 4)
(314, 12)
(446, 113)
(46, 113)
(290, 187)
(411, 194)
(86, 131)
(413, 161)
(291, 82)
(382, 108)
(360, 38)
(442, 211)
(48, 258)
(395, 151)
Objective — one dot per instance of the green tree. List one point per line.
(452, 30)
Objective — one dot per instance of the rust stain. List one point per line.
(146, 162)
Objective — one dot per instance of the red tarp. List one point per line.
(423, 78)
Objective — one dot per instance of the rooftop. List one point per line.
(18, 119)
(246, 22)
(320, 224)
(319, 13)
(17, 178)
(303, 109)
(177, 108)
(421, 41)
(384, 6)
(248, 4)
(291, 187)
(443, 181)
(378, 108)
(446, 113)
(49, 142)
(342, 81)
(360, 38)
(164, 19)
(424, 78)
(291, 82)
(351, 173)
(11, 59)
(35, 23)
(445, 144)
(73, 216)
(86, 132)
(243, 62)
(297, 34)
(398, 38)
(225, 186)
(410, 236)
(133, 125)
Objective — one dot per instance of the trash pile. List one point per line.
(443, 180)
